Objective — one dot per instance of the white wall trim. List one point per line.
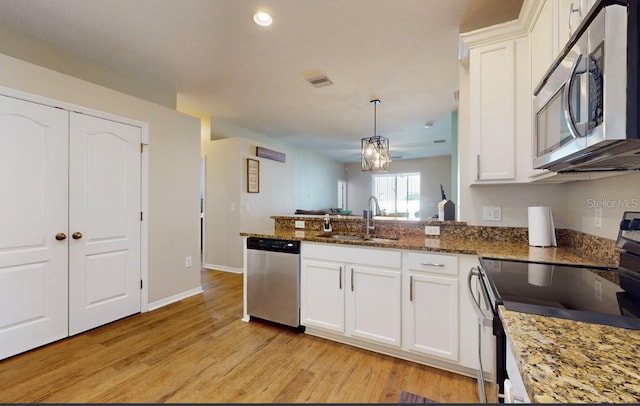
(223, 268)
(175, 298)
(144, 224)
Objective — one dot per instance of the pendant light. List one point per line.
(375, 150)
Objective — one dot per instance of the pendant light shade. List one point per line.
(375, 150)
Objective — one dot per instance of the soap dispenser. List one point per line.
(327, 223)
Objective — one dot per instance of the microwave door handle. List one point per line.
(568, 113)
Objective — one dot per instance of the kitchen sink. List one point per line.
(359, 237)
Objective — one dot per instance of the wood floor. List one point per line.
(198, 350)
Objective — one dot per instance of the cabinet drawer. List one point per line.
(436, 263)
(385, 258)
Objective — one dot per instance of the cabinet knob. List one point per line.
(77, 235)
(61, 236)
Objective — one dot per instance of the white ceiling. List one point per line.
(222, 65)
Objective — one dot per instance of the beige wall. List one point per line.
(43, 54)
(230, 209)
(174, 154)
(433, 172)
(304, 180)
(613, 196)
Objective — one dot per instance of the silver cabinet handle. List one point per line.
(432, 264)
(478, 167)
(352, 279)
(340, 279)
(573, 10)
(411, 288)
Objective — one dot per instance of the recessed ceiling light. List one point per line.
(263, 19)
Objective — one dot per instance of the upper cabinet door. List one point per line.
(33, 224)
(492, 115)
(543, 42)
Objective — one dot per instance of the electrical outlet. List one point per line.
(299, 224)
(491, 213)
(597, 218)
(597, 289)
(188, 262)
(431, 230)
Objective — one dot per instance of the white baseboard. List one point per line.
(172, 299)
(223, 268)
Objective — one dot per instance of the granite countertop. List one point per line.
(570, 361)
(480, 247)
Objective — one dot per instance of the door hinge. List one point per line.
(140, 284)
(141, 216)
(141, 148)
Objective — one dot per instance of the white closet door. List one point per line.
(104, 222)
(33, 210)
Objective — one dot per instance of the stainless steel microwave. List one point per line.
(587, 103)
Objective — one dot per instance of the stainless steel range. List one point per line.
(609, 296)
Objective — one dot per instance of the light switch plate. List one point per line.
(431, 230)
(491, 213)
(299, 224)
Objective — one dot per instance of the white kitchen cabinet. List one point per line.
(431, 304)
(500, 105)
(544, 45)
(322, 295)
(432, 315)
(438, 317)
(568, 16)
(506, 62)
(492, 111)
(374, 304)
(409, 304)
(353, 291)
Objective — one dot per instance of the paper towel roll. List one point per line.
(539, 274)
(542, 232)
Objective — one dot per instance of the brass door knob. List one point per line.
(77, 235)
(61, 236)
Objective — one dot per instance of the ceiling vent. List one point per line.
(320, 81)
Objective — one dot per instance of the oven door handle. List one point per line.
(482, 318)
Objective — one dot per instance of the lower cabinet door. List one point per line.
(432, 316)
(374, 304)
(322, 295)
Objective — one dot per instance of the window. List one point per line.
(398, 193)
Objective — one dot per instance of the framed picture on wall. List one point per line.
(253, 175)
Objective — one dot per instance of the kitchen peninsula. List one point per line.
(530, 335)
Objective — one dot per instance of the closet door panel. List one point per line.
(33, 212)
(104, 268)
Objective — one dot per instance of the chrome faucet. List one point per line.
(369, 216)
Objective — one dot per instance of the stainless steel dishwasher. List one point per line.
(273, 280)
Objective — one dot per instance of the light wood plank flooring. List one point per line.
(198, 350)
